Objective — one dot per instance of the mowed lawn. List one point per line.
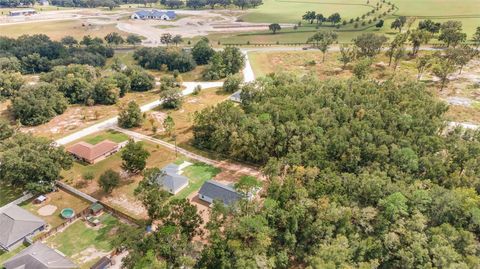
(8, 193)
(85, 244)
(291, 11)
(4, 255)
(111, 135)
(58, 29)
(197, 174)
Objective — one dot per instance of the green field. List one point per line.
(291, 11)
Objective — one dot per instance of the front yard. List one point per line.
(85, 244)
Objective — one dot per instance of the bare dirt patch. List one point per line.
(89, 254)
(47, 210)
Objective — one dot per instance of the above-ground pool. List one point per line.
(67, 213)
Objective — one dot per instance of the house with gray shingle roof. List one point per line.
(154, 14)
(212, 190)
(17, 224)
(39, 256)
(171, 179)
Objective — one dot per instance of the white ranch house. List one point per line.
(154, 14)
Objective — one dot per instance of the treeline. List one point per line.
(219, 64)
(195, 4)
(16, 3)
(38, 53)
(361, 174)
(73, 84)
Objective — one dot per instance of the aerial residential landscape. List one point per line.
(239, 134)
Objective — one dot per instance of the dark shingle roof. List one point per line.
(39, 256)
(219, 191)
(16, 223)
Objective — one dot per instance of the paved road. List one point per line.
(109, 123)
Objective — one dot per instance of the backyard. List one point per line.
(85, 244)
(50, 209)
(197, 174)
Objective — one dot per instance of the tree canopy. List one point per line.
(32, 163)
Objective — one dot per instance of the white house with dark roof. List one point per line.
(39, 256)
(171, 179)
(17, 224)
(154, 14)
(212, 190)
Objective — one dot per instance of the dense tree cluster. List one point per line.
(32, 163)
(165, 58)
(38, 53)
(362, 174)
(37, 104)
(224, 63)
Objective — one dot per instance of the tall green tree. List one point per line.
(131, 116)
(134, 157)
(323, 40)
(38, 104)
(32, 163)
(451, 33)
(274, 27)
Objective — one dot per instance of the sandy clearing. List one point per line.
(47, 210)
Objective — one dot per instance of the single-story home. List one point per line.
(39, 256)
(154, 14)
(44, 3)
(171, 179)
(24, 12)
(17, 224)
(91, 154)
(212, 190)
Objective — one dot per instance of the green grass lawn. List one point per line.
(8, 193)
(291, 11)
(7, 255)
(111, 135)
(197, 174)
(79, 237)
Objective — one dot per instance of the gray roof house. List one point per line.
(154, 14)
(39, 256)
(213, 190)
(171, 180)
(17, 224)
(235, 97)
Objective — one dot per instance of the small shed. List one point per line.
(40, 199)
(96, 209)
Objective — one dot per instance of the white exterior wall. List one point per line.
(181, 188)
(205, 198)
